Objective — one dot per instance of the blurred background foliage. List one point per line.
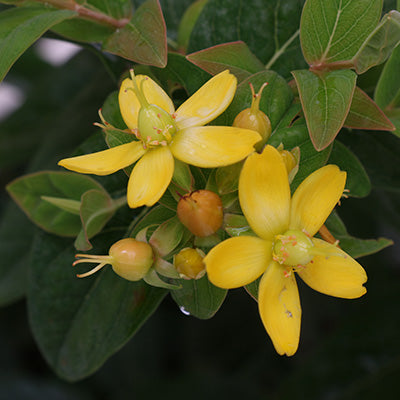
(348, 350)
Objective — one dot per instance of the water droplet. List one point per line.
(184, 311)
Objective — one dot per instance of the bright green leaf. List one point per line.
(79, 323)
(167, 236)
(235, 56)
(357, 182)
(326, 100)
(27, 192)
(365, 114)
(21, 27)
(333, 31)
(143, 39)
(387, 92)
(351, 245)
(199, 298)
(379, 45)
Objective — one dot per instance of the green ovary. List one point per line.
(293, 248)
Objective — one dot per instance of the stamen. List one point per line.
(139, 92)
(92, 271)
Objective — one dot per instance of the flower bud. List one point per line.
(201, 212)
(291, 160)
(129, 258)
(189, 263)
(253, 118)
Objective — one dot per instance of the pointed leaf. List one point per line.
(21, 27)
(143, 39)
(76, 322)
(199, 298)
(27, 192)
(235, 56)
(379, 45)
(387, 92)
(167, 236)
(153, 279)
(357, 181)
(96, 210)
(182, 176)
(351, 245)
(394, 116)
(237, 225)
(156, 216)
(326, 100)
(333, 31)
(364, 113)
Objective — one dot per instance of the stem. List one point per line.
(282, 49)
(117, 203)
(86, 13)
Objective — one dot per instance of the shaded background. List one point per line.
(348, 349)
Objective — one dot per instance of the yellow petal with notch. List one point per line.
(150, 177)
(208, 102)
(129, 103)
(107, 161)
(279, 307)
(335, 273)
(213, 146)
(264, 193)
(238, 261)
(315, 198)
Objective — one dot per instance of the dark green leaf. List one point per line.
(77, 323)
(143, 39)
(379, 45)
(387, 92)
(96, 210)
(357, 182)
(16, 235)
(199, 298)
(28, 190)
(111, 111)
(326, 100)
(269, 28)
(235, 56)
(21, 27)
(365, 114)
(351, 245)
(333, 31)
(394, 116)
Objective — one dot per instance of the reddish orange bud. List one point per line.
(201, 212)
(253, 118)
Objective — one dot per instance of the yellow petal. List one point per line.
(150, 177)
(129, 104)
(238, 261)
(107, 161)
(280, 310)
(208, 102)
(315, 198)
(264, 193)
(213, 146)
(336, 273)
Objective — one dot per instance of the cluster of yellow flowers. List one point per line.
(282, 240)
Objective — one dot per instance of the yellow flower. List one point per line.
(284, 244)
(165, 134)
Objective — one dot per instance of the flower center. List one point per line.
(293, 248)
(156, 127)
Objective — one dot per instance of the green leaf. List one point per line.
(326, 100)
(16, 235)
(379, 45)
(111, 111)
(394, 116)
(269, 28)
(387, 92)
(357, 182)
(275, 100)
(97, 208)
(153, 279)
(79, 323)
(71, 206)
(333, 31)
(351, 245)
(199, 298)
(21, 27)
(235, 56)
(364, 113)
(252, 288)
(27, 192)
(143, 39)
(296, 134)
(182, 176)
